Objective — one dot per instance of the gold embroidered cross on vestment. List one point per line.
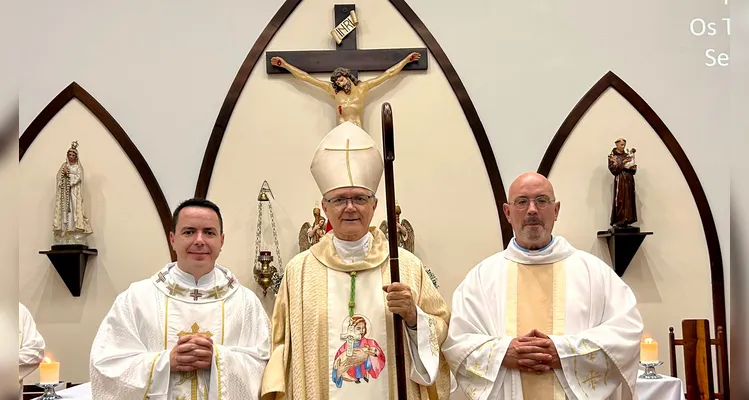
(192, 375)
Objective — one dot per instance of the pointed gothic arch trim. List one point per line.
(611, 80)
(75, 91)
(474, 121)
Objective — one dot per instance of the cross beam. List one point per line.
(346, 54)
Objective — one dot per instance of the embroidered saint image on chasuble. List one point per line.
(359, 358)
(357, 335)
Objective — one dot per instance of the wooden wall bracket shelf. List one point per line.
(623, 244)
(70, 262)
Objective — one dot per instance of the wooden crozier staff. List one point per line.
(388, 144)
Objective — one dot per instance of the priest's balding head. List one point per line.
(531, 210)
(347, 167)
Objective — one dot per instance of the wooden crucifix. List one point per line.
(344, 63)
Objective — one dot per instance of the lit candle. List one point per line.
(649, 351)
(49, 371)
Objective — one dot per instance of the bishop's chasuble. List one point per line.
(570, 295)
(324, 349)
(130, 353)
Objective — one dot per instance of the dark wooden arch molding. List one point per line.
(611, 80)
(219, 128)
(75, 91)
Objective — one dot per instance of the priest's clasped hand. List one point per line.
(191, 353)
(533, 352)
(401, 302)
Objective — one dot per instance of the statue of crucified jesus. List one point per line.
(347, 90)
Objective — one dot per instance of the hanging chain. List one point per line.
(258, 233)
(264, 191)
(275, 239)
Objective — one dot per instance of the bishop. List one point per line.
(333, 318)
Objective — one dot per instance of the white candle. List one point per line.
(648, 351)
(49, 371)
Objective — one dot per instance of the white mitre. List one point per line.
(347, 156)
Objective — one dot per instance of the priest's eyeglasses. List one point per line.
(541, 202)
(340, 202)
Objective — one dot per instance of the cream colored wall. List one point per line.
(130, 247)
(515, 51)
(441, 181)
(670, 273)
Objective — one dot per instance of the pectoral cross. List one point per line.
(346, 53)
(350, 337)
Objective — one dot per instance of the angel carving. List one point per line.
(406, 238)
(310, 234)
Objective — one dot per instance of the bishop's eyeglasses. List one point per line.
(340, 202)
(522, 203)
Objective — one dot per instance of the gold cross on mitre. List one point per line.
(347, 156)
(348, 149)
(195, 330)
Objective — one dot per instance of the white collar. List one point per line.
(353, 251)
(205, 282)
(558, 249)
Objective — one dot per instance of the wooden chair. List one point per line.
(698, 359)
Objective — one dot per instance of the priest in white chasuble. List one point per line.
(541, 319)
(190, 332)
(333, 318)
